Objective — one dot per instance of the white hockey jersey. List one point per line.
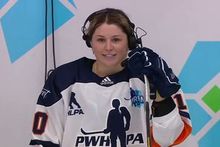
(77, 108)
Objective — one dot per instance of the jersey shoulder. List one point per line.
(61, 78)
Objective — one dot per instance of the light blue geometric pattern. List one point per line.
(203, 64)
(24, 25)
(72, 2)
(2, 3)
(198, 116)
(212, 137)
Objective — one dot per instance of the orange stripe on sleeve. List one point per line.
(185, 133)
(153, 142)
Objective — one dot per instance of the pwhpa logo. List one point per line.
(74, 107)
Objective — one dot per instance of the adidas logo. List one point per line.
(106, 81)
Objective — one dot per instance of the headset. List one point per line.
(133, 40)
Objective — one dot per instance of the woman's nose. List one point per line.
(108, 45)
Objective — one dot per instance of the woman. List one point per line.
(88, 102)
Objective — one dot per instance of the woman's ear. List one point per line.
(92, 47)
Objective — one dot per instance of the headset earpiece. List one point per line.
(84, 29)
(132, 38)
(87, 40)
(85, 36)
(132, 43)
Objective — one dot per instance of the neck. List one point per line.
(105, 71)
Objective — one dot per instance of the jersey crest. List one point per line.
(74, 107)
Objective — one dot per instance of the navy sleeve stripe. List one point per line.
(44, 143)
(185, 114)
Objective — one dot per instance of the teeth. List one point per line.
(109, 55)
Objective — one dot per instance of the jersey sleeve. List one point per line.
(174, 127)
(49, 116)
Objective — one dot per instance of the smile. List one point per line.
(109, 55)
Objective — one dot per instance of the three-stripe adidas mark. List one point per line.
(106, 81)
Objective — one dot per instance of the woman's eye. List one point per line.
(100, 40)
(116, 39)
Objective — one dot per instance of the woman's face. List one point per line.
(110, 46)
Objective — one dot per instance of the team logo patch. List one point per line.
(44, 93)
(137, 98)
(74, 107)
